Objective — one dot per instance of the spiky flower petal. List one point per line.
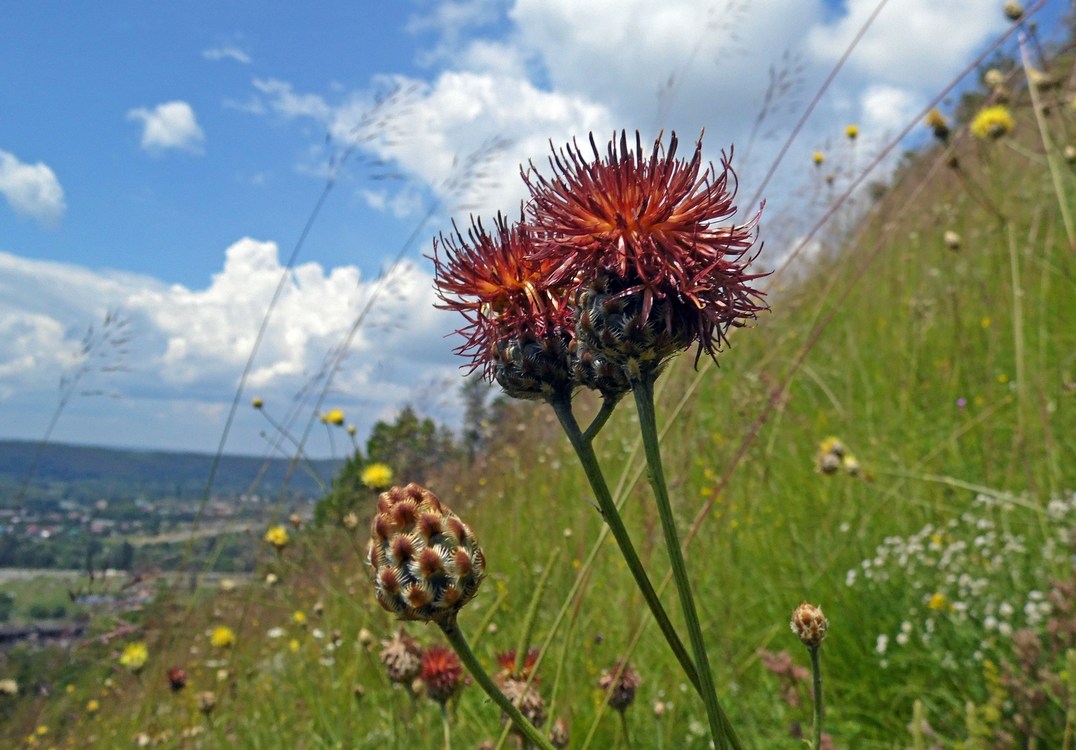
(516, 322)
(426, 562)
(653, 223)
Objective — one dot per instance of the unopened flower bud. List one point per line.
(426, 562)
(809, 624)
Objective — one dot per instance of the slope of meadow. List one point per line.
(942, 555)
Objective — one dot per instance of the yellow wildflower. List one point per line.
(938, 602)
(851, 132)
(222, 637)
(299, 617)
(257, 403)
(293, 644)
(334, 417)
(134, 656)
(992, 122)
(377, 476)
(818, 157)
(277, 536)
(936, 122)
(92, 706)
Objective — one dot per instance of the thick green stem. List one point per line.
(463, 650)
(585, 451)
(816, 677)
(720, 728)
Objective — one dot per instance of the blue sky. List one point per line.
(161, 160)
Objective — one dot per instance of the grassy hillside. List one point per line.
(941, 556)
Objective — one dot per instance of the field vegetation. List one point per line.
(893, 442)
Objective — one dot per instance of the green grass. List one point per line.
(942, 371)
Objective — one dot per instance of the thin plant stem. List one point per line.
(585, 451)
(467, 656)
(624, 729)
(446, 727)
(1051, 151)
(720, 728)
(608, 404)
(816, 682)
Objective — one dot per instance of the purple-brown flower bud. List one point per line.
(624, 681)
(426, 562)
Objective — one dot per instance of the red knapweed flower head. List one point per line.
(442, 673)
(506, 660)
(653, 223)
(518, 324)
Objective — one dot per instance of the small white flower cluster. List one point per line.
(967, 585)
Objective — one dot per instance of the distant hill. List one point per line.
(152, 472)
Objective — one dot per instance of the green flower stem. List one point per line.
(608, 404)
(583, 448)
(463, 650)
(816, 682)
(446, 727)
(720, 728)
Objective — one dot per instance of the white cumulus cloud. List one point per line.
(918, 43)
(171, 125)
(31, 189)
(189, 345)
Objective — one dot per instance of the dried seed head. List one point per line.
(558, 734)
(426, 562)
(624, 681)
(402, 657)
(527, 699)
(810, 625)
(207, 701)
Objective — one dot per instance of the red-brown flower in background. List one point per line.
(442, 673)
(506, 660)
(653, 224)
